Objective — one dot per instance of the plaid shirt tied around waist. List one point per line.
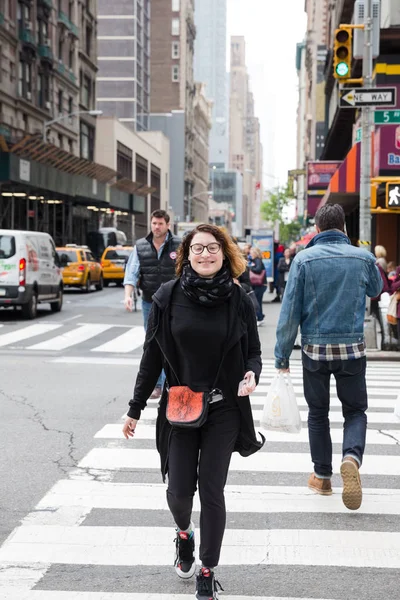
(328, 352)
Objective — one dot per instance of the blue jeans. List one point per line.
(146, 306)
(352, 392)
(259, 291)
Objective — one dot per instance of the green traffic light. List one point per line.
(342, 69)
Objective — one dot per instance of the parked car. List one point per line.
(80, 268)
(29, 271)
(113, 263)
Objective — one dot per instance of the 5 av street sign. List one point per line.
(359, 97)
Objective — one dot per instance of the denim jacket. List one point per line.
(326, 294)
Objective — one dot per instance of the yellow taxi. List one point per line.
(113, 263)
(79, 267)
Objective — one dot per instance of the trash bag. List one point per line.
(281, 412)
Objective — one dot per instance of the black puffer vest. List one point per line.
(154, 271)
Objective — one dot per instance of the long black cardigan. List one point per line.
(242, 353)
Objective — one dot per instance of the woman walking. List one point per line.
(257, 279)
(284, 265)
(202, 330)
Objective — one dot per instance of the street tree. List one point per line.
(271, 211)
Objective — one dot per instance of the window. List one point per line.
(60, 141)
(60, 102)
(71, 58)
(71, 10)
(176, 5)
(60, 49)
(71, 146)
(175, 49)
(86, 92)
(124, 160)
(175, 27)
(25, 79)
(175, 73)
(70, 105)
(86, 141)
(43, 90)
(88, 46)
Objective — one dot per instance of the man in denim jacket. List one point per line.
(326, 295)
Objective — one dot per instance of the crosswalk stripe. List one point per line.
(12, 337)
(12, 594)
(150, 414)
(385, 437)
(113, 459)
(71, 338)
(385, 400)
(94, 360)
(99, 545)
(127, 342)
(239, 498)
(371, 383)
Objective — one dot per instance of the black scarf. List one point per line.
(207, 292)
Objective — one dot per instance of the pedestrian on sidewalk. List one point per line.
(151, 263)
(326, 295)
(284, 265)
(257, 279)
(203, 332)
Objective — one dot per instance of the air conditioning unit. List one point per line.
(28, 25)
(28, 96)
(48, 105)
(47, 42)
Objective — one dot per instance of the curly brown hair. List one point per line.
(232, 254)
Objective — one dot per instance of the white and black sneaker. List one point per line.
(185, 563)
(206, 585)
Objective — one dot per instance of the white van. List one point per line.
(29, 271)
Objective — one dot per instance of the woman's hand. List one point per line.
(250, 384)
(129, 427)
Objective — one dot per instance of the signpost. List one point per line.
(387, 117)
(359, 97)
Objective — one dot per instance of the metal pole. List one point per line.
(366, 125)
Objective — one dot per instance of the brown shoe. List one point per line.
(156, 393)
(352, 490)
(321, 486)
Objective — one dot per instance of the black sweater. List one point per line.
(199, 334)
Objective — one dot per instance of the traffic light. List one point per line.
(342, 53)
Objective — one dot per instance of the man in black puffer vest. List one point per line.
(151, 263)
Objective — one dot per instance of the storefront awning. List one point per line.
(33, 148)
(344, 187)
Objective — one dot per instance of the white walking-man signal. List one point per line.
(394, 196)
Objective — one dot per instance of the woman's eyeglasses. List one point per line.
(213, 248)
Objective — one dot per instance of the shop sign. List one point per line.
(24, 170)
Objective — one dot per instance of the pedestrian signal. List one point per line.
(342, 53)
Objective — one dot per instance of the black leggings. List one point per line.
(214, 442)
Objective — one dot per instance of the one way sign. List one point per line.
(357, 97)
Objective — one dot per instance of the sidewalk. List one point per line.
(267, 333)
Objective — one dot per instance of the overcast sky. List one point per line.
(272, 28)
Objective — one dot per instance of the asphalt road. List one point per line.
(64, 387)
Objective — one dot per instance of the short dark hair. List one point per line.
(330, 216)
(160, 214)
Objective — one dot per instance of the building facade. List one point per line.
(49, 178)
(142, 157)
(245, 150)
(48, 70)
(341, 144)
(172, 90)
(210, 68)
(202, 125)
(123, 79)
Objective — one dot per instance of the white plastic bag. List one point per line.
(281, 412)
